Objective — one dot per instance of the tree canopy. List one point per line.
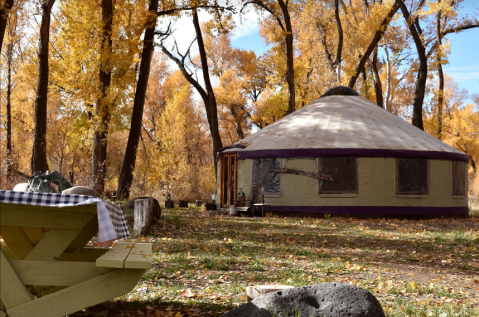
(103, 92)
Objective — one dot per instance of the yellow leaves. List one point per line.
(413, 285)
(354, 267)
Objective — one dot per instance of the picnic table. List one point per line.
(55, 273)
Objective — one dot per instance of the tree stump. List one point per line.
(183, 204)
(145, 212)
(169, 204)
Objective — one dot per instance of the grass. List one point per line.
(203, 264)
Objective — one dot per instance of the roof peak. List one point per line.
(340, 91)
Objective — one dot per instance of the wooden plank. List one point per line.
(12, 291)
(55, 273)
(36, 217)
(84, 237)
(34, 234)
(116, 256)
(6, 249)
(86, 255)
(298, 172)
(140, 257)
(16, 240)
(75, 298)
(52, 245)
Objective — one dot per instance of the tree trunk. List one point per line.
(364, 86)
(4, 12)
(378, 89)
(440, 93)
(126, 176)
(210, 102)
(388, 87)
(9, 111)
(289, 56)
(420, 88)
(103, 111)
(340, 41)
(39, 155)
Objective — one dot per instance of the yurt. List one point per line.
(343, 155)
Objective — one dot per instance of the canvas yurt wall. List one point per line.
(381, 165)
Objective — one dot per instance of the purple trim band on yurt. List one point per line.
(232, 146)
(375, 210)
(299, 153)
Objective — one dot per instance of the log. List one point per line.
(169, 204)
(143, 213)
(255, 291)
(297, 172)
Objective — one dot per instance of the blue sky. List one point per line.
(463, 60)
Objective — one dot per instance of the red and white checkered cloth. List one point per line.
(111, 221)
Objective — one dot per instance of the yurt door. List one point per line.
(229, 180)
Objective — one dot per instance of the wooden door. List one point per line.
(229, 180)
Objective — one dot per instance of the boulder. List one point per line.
(80, 190)
(258, 290)
(318, 300)
(22, 187)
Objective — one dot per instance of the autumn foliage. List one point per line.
(175, 149)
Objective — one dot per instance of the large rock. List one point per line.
(318, 300)
(22, 187)
(80, 190)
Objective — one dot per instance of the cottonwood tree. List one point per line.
(4, 12)
(241, 80)
(94, 59)
(280, 13)
(129, 160)
(422, 39)
(102, 112)
(207, 93)
(11, 58)
(39, 155)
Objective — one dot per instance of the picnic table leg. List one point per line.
(12, 290)
(17, 241)
(79, 296)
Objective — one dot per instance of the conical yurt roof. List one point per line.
(342, 125)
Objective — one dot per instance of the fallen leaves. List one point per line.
(205, 263)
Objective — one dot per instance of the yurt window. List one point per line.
(412, 176)
(263, 177)
(458, 178)
(344, 171)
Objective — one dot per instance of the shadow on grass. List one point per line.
(122, 308)
(432, 243)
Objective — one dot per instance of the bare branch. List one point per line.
(377, 37)
(270, 11)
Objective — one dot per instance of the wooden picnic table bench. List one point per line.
(55, 274)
